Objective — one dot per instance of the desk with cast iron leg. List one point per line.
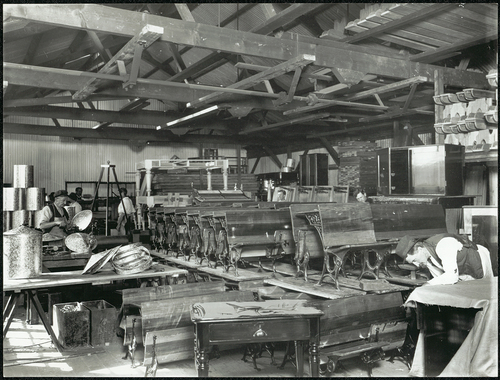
(31, 286)
(256, 322)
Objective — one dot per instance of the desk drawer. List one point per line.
(259, 331)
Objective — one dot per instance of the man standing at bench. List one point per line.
(450, 258)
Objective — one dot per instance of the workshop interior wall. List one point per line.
(60, 159)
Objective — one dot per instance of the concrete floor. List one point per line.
(28, 352)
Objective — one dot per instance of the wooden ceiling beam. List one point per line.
(52, 100)
(250, 66)
(273, 156)
(439, 53)
(330, 149)
(388, 88)
(72, 113)
(105, 53)
(282, 68)
(128, 134)
(184, 12)
(287, 123)
(32, 49)
(194, 70)
(146, 37)
(284, 17)
(392, 25)
(157, 66)
(339, 55)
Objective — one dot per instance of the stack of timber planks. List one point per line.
(358, 165)
(183, 183)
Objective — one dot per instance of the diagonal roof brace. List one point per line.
(273, 72)
(145, 38)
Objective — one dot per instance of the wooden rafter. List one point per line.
(286, 16)
(32, 48)
(329, 148)
(413, 88)
(439, 53)
(127, 116)
(146, 37)
(250, 66)
(50, 100)
(126, 23)
(273, 72)
(127, 134)
(184, 12)
(388, 88)
(326, 103)
(287, 122)
(273, 156)
(392, 25)
(179, 62)
(105, 53)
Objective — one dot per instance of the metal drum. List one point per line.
(35, 198)
(37, 218)
(7, 220)
(22, 253)
(23, 176)
(20, 217)
(14, 198)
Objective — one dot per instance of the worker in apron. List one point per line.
(55, 218)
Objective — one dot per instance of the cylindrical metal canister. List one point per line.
(20, 217)
(38, 218)
(22, 253)
(7, 220)
(14, 198)
(35, 197)
(23, 176)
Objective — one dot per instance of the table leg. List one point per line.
(314, 359)
(8, 311)
(313, 347)
(200, 351)
(299, 356)
(34, 298)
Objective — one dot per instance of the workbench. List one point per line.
(256, 322)
(14, 287)
(478, 354)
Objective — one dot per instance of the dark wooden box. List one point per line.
(71, 324)
(102, 322)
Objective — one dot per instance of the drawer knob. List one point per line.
(259, 332)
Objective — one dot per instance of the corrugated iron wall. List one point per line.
(57, 160)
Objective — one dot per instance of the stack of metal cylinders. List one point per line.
(22, 201)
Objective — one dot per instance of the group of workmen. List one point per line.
(55, 217)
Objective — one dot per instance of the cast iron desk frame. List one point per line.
(14, 288)
(208, 332)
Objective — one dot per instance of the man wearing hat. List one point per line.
(54, 216)
(449, 258)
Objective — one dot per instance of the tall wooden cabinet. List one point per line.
(314, 169)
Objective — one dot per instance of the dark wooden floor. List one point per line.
(28, 352)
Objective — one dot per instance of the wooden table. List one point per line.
(256, 322)
(13, 289)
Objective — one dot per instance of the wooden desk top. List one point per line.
(53, 279)
(243, 274)
(224, 311)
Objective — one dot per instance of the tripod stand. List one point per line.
(112, 167)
